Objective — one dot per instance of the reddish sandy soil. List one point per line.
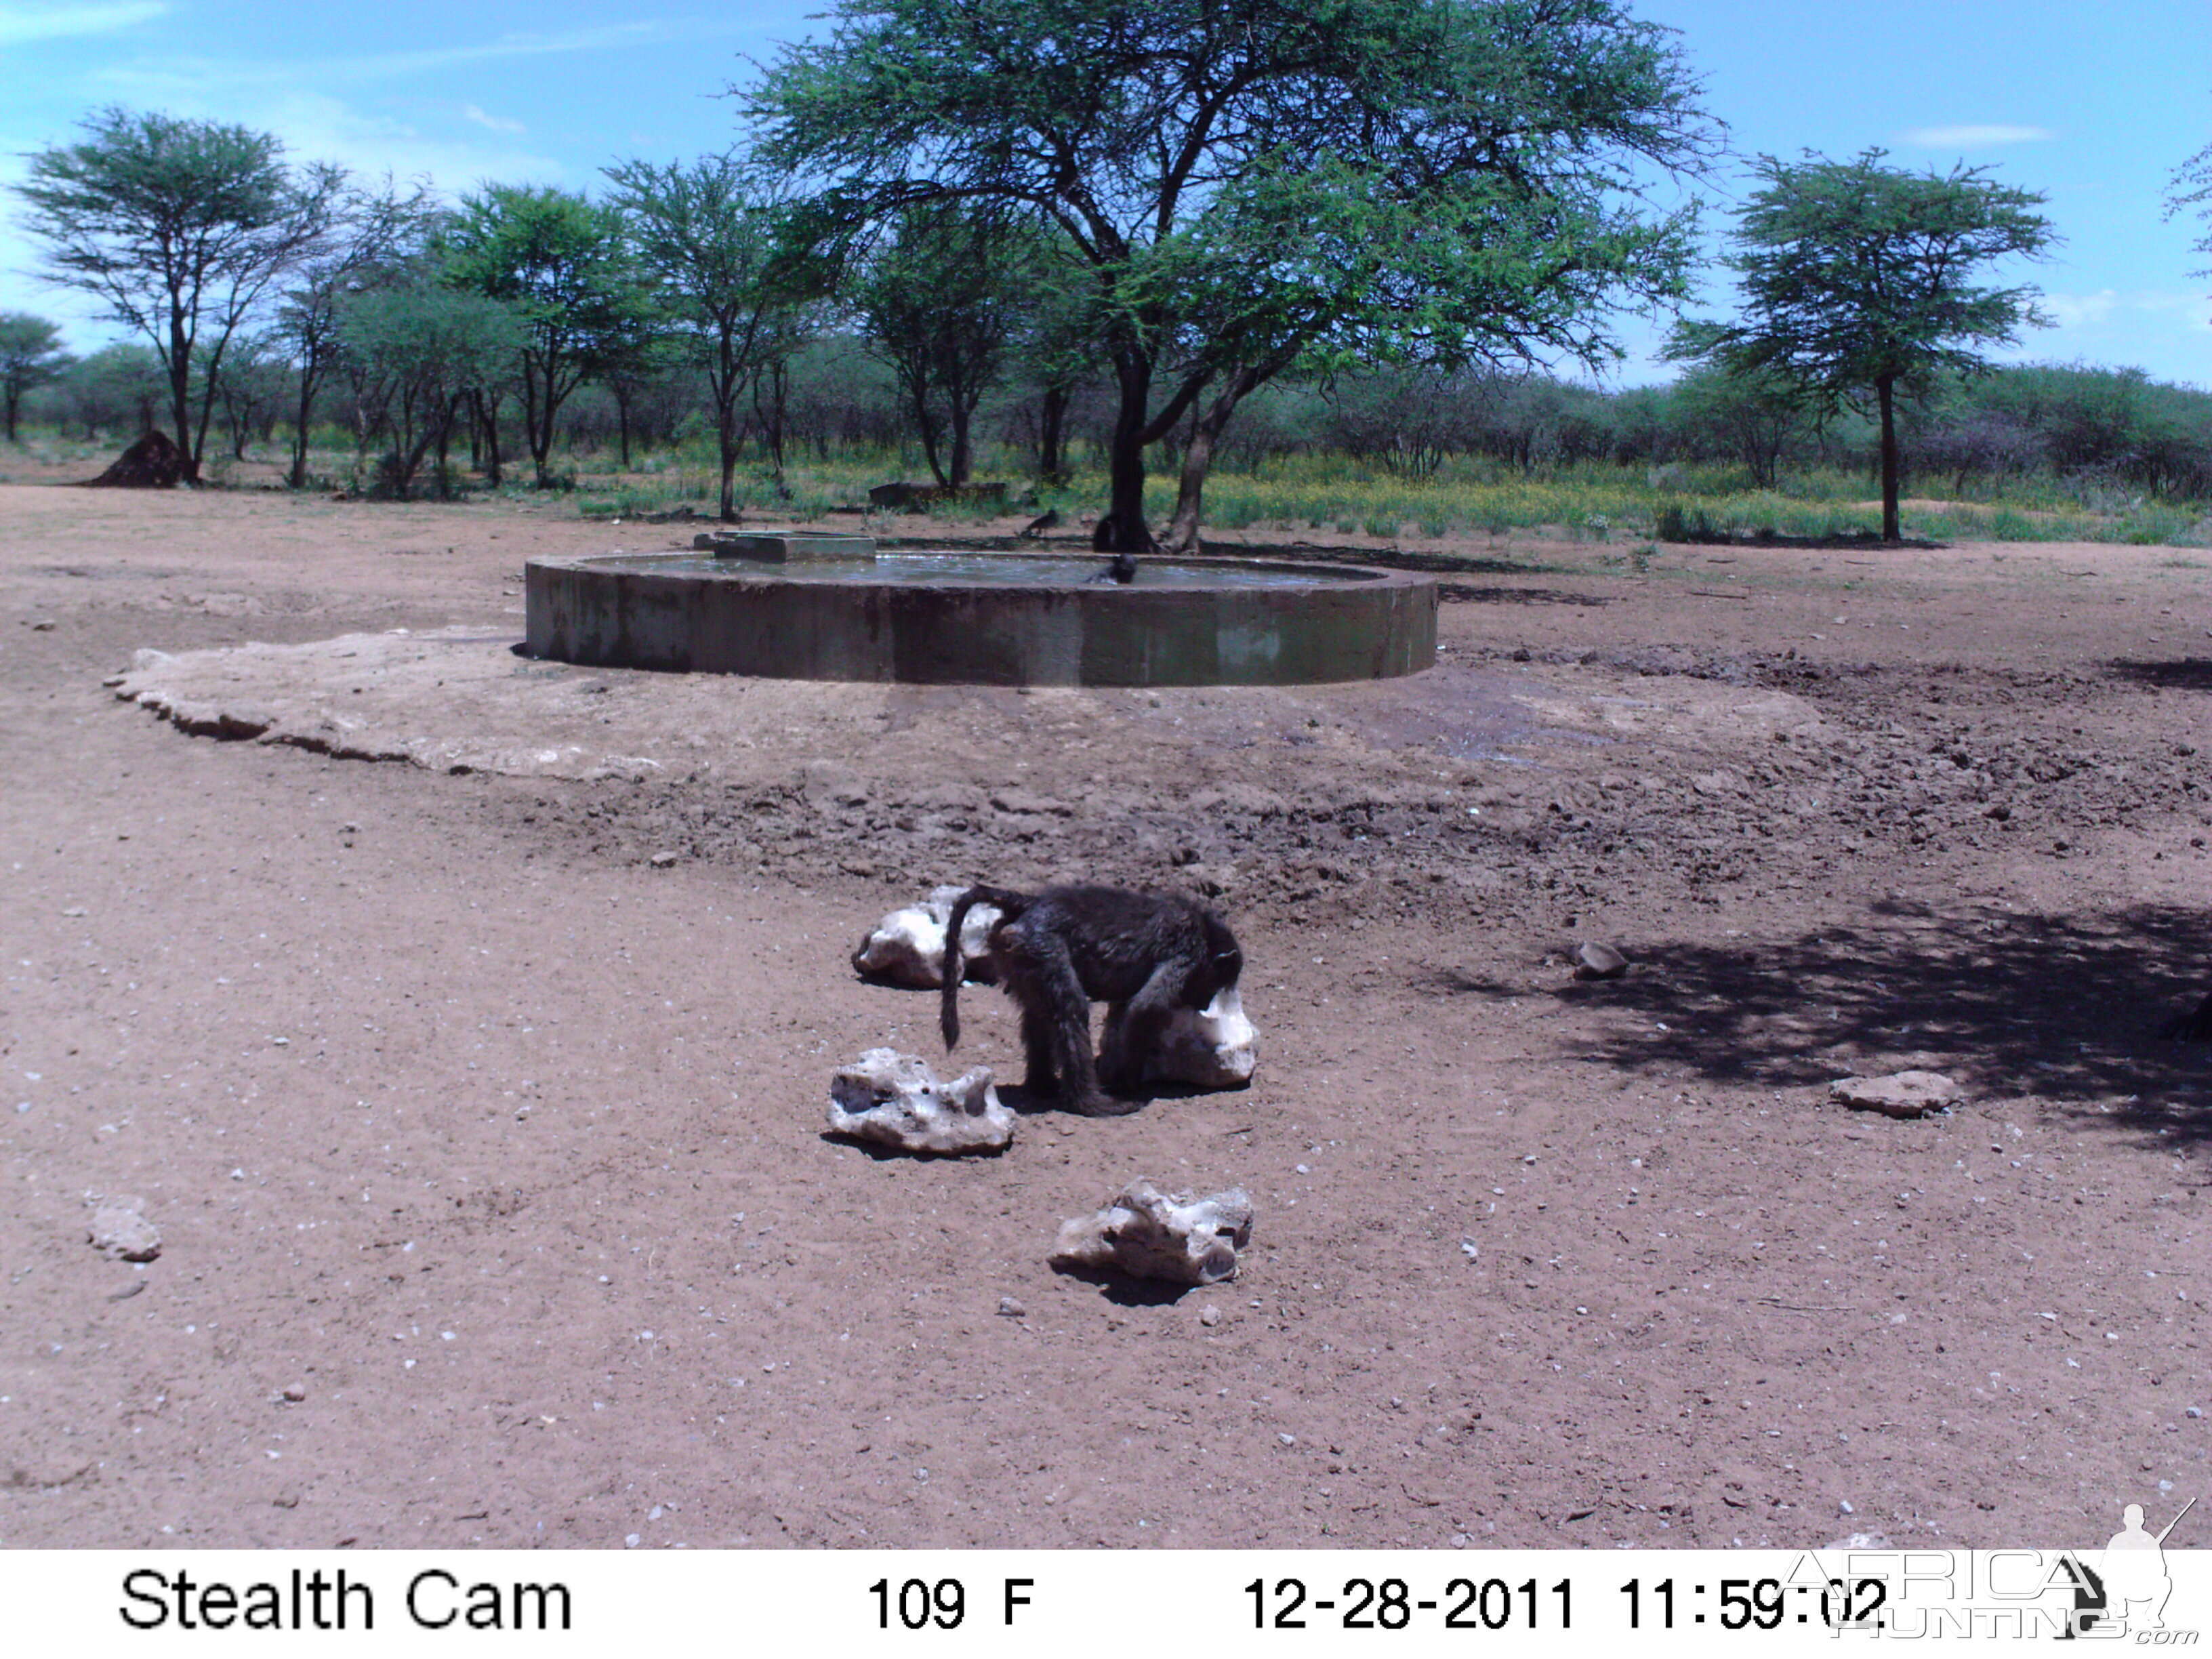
(487, 1152)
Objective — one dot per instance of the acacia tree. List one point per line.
(711, 239)
(415, 354)
(1249, 184)
(562, 263)
(253, 386)
(30, 355)
(1858, 278)
(178, 228)
(940, 302)
(120, 385)
(375, 233)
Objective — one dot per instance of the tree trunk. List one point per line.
(1885, 392)
(1198, 461)
(918, 389)
(1123, 529)
(487, 417)
(962, 462)
(726, 446)
(180, 402)
(1052, 433)
(297, 479)
(777, 376)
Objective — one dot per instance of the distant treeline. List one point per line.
(2094, 431)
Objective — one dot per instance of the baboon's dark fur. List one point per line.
(1058, 951)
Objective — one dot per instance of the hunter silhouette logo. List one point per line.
(2135, 1582)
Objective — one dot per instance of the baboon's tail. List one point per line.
(1009, 905)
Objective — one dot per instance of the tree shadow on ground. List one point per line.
(2170, 674)
(2066, 1007)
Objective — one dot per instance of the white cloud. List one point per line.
(2114, 315)
(169, 76)
(1974, 137)
(2081, 310)
(319, 128)
(493, 121)
(20, 24)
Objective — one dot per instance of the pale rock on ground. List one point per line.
(1595, 961)
(1901, 1094)
(907, 947)
(1215, 1047)
(120, 1231)
(1149, 1234)
(896, 1100)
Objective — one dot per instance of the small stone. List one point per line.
(295, 1392)
(1209, 1315)
(121, 1233)
(1010, 1307)
(1288, 1439)
(1595, 961)
(44, 625)
(663, 860)
(1901, 1094)
(286, 1500)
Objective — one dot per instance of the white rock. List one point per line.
(1150, 1234)
(1216, 1049)
(896, 1099)
(120, 1232)
(1901, 1094)
(908, 947)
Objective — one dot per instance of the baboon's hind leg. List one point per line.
(1042, 1078)
(1056, 1017)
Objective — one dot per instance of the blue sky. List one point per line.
(2095, 105)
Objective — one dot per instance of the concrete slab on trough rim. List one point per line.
(780, 549)
(1348, 624)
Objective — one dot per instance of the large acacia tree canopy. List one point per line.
(1249, 184)
(1423, 176)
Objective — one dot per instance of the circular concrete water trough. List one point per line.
(983, 618)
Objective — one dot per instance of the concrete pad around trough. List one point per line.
(460, 700)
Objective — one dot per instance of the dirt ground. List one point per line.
(479, 1095)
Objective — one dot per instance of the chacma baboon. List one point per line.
(1145, 955)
